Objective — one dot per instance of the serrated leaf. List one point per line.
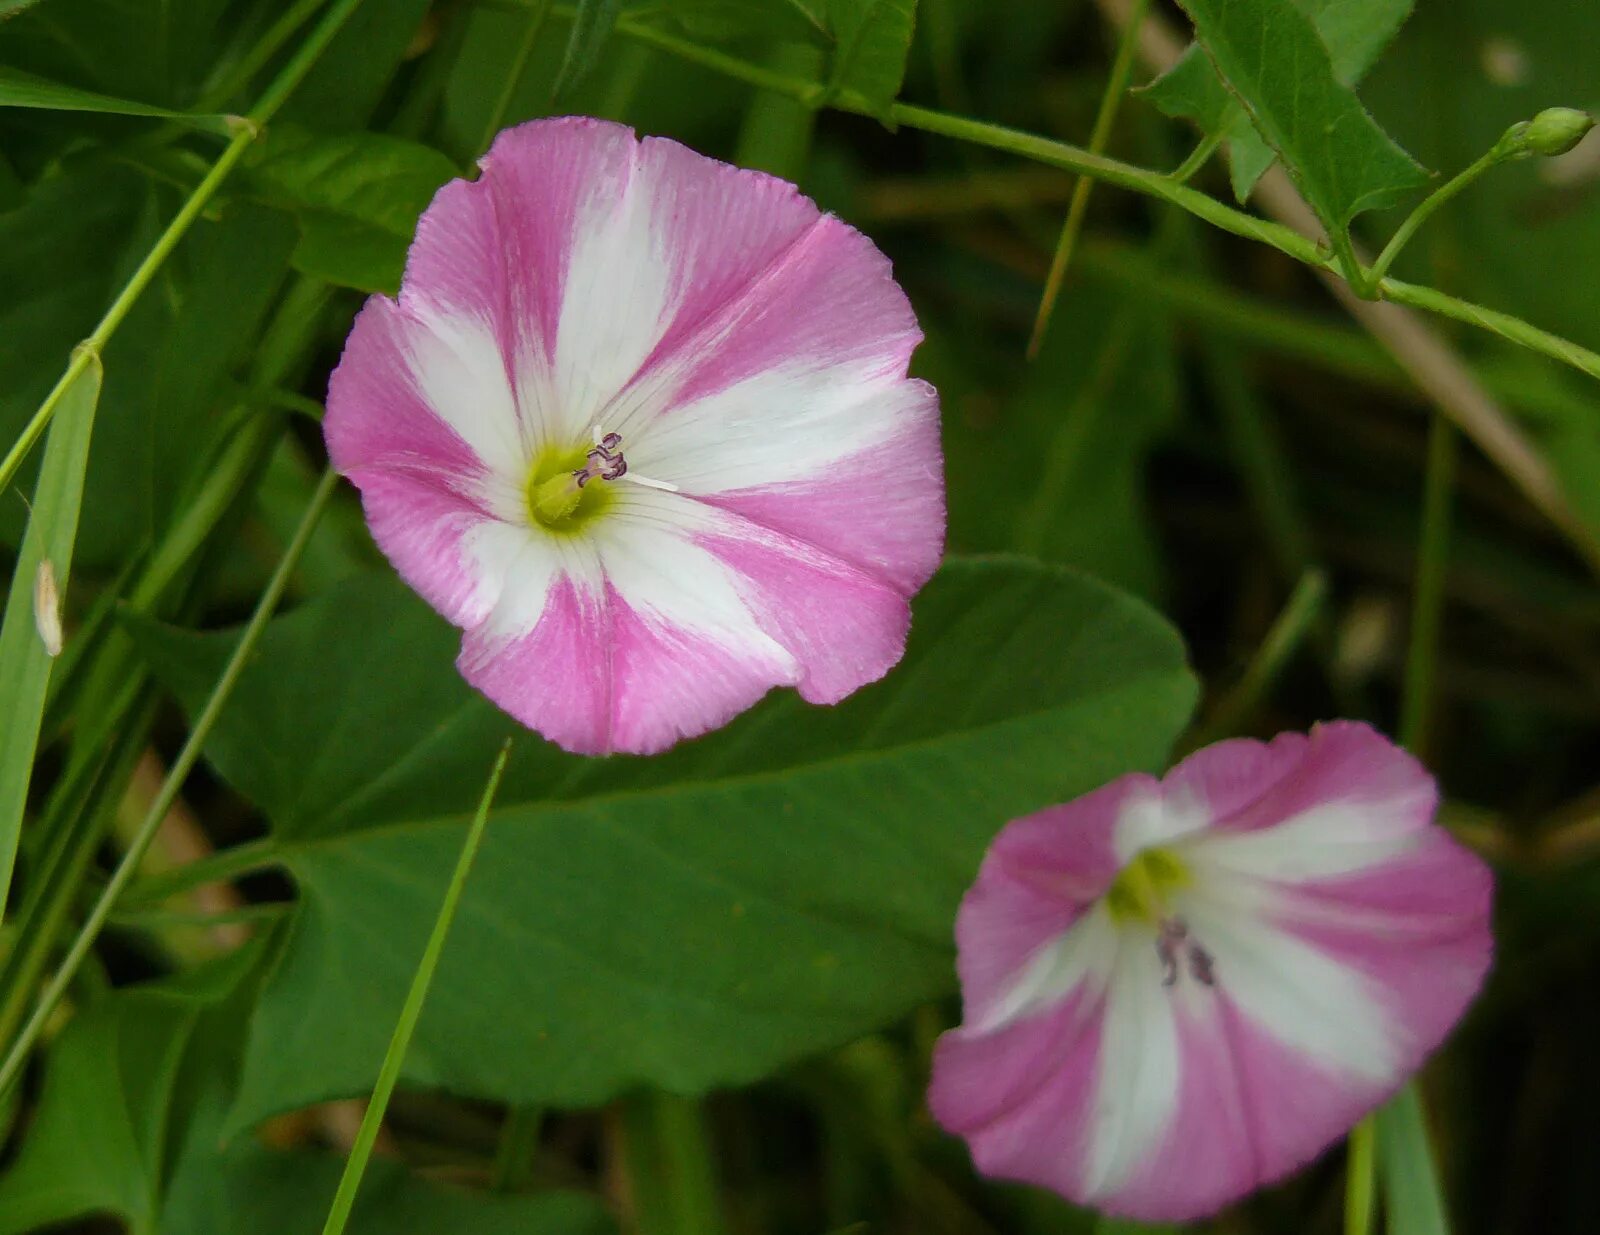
(356, 198)
(1354, 32)
(692, 920)
(19, 89)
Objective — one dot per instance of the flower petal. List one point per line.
(424, 488)
(1042, 873)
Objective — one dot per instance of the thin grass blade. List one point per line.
(28, 631)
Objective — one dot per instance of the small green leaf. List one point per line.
(1354, 32)
(872, 40)
(19, 89)
(356, 198)
(25, 661)
(694, 919)
(591, 29)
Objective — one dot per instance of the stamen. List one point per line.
(1172, 937)
(608, 447)
(1169, 938)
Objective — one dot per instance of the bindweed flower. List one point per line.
(1177, 990)
(639, 423)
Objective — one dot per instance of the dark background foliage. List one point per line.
(706, 985)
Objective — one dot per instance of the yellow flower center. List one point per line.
(556, 500)
(1140, 891)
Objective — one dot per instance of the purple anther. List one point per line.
(605, 461)
(1172, 934)
(1202, 966)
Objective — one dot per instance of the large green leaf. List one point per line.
(97, 1141)
(128, 1124)
(1289, 65)
(356, 197)
(692, 920)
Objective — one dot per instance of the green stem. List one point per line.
(389, 1073)
(89, 350)
(1287, 633)
(1507, 327)
(1198, 158)
(1427, 206)
(170, 788)
(161, 919)
(519, 1138)
(671, 1166)
(230, 863)
(1360, 1170)
(1116, 87)
(1428, 603)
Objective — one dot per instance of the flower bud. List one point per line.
(1553, 131)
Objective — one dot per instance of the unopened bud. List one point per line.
(1553, 131)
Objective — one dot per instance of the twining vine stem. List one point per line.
(1083, 162)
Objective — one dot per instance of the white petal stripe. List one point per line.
(1137, 1089)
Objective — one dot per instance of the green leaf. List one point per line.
(121, 50)
(356, 198)
(19, 89)
(25, 662)
(591, 29)
(96, 1142)
(696, 919)
(872, 39)
(1353, 34)
(128, 1123)
(1413, 1202)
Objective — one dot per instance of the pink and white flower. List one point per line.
(639, 423)
(1177, 990)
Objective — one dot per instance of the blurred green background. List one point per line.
(1203, 426)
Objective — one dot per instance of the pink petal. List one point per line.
(420, 483)
(1041, 874)
(1023, 1096)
